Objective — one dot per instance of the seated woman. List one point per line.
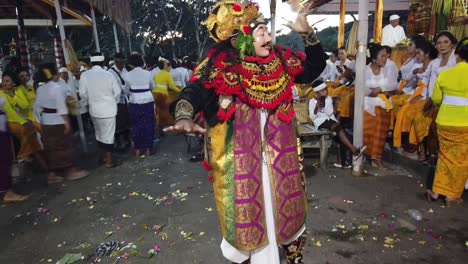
(6, 161)
(425, 53)
(336, 84)
(51, 110)
(322, 115)
(408, 80)
(20, 127)
(380, 83)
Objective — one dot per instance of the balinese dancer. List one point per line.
(244, 89)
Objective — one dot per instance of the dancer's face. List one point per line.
(262, 41)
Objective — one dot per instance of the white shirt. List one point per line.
(64, 87)
(122, 73)
(50, 96)
(178, 77)
(386, 80)
(138, 86)
(424, 77)
(328, 71)
(391, 36)
(323, 114)
(335, 74)
(76, 87)
(100, 90)
(407, 74)
(436, 69)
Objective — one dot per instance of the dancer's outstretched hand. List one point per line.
(185, 126)
(301, 25)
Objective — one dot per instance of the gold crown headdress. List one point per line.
(229, 17)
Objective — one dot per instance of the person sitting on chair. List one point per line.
(323, 117)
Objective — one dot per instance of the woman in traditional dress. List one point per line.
(51, 110)
(7, 156)
(425, 54)
(380, 83)
(408, 80)
(19, 126)
(141, 105)
(27, 94)
(163, 82)
(451, 93)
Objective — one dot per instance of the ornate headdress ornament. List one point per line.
(230, 17)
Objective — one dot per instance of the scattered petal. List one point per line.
(202, 234)
(126, 216)
(318, 244)
(430, 210)
(209, 209)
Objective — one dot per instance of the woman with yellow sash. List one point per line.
(408, 78)
(20, 127)
(451, 93)
(425, 54)
(163, 83)
(380, 83)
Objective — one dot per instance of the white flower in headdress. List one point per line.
(225, 101)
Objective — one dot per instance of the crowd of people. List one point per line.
(39, 115)
(421, 109)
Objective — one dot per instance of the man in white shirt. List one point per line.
(101, 91)
(322, 114)
(178, 74)
(122, 131)
(64, 83)
(393, 33)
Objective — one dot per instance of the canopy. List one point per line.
(118, 10)
(40, 13)
(333, 7)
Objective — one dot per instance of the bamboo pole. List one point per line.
(273, 20)
(67, 62)
(117, 49)
(341, 28)
(360, 82)
(378, 21)
(95, 33)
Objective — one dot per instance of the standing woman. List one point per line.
(7, 157)
(451, 93)
(51, 110)
(163, 82)
(19, 126)
(138, 83)
(380, 83)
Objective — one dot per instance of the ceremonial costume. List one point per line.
(252, 149)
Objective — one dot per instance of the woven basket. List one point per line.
(302, 112)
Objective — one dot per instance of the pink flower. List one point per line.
(156, 248)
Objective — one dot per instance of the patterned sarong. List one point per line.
(57, 147)
(376, 131)
(28, 138)
(452, 166)
(142, 116)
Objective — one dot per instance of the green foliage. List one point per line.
(245, 46)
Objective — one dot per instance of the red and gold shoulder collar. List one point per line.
(261, 82)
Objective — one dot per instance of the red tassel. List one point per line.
(210, 178)
(206, 166)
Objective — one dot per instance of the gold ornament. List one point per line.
(229, 16)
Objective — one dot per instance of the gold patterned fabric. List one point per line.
(452, 165)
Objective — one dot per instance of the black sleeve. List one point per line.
(201, 99)
(314, 65)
